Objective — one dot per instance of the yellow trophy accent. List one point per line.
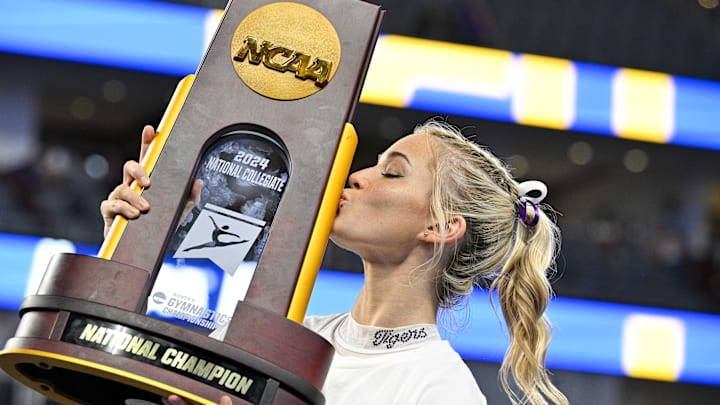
(148, 163)
(52, 361)
(323, 224)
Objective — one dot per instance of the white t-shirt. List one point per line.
(401, 366)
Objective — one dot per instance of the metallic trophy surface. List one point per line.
(264, 123)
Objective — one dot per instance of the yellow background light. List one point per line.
(653, 347)
(402, 65)
(544, 92)
(643, 105)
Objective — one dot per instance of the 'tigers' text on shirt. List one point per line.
(391, 337)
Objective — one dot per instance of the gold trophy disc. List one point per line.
(285, 51)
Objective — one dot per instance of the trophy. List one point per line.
(264, 124)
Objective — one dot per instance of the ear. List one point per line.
(456, 227)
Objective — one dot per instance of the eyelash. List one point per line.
(391, 175)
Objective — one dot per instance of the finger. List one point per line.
(193, 198)
(133, 170)
(196, 192)
(225, 400)
(124, 194)
(174, 400)
(148, 134)
(112, 208)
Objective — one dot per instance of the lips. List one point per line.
(343, 201)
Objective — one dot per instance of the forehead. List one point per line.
(416, 147)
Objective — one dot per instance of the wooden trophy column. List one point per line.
(264, 124)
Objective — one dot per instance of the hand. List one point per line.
(176, 400)
(123, 200)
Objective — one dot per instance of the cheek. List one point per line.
(408, 204)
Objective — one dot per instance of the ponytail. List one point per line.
(524, 292)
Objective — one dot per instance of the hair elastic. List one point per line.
(522, 212)
(524, 188)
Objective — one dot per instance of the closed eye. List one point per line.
(391, 175)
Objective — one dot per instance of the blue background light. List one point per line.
(151, 36)
(171, 38)
(588, 335)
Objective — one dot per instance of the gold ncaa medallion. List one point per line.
(285, 51)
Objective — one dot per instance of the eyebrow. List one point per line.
(394, 154)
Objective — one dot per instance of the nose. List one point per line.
(357, 179)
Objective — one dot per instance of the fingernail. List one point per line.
(144, 204)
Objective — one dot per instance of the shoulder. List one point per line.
(324, 325)
(452, 380)
(452, 393)
(320, 324)
(445, 377)
(428, 374)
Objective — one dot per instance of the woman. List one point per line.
(436, 216)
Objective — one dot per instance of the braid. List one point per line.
(524, 292)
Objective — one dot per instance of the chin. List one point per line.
(337, 241)
(334, 239)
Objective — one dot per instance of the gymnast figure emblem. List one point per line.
(218, 233)
(223, 236)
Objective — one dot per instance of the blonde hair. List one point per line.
(497, 251)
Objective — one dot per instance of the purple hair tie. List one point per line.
(523, 189)
(522, 212)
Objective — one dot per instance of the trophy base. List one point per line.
(72, 380)
(75, 351)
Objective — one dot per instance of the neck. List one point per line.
(395, 296)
